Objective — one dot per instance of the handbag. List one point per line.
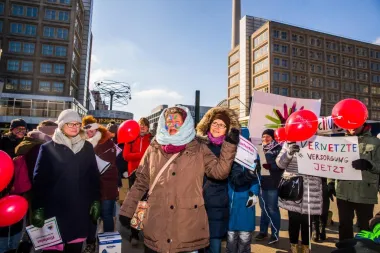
(291, 189)
(142, 206)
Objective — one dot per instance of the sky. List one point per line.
(167, 49)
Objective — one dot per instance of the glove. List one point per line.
(362, 164)
(252, 200)
(331, 190)
(95, 212)
(38, 219)
(293, 148)
(233, 136)
(125, 227)
(267, 166)
(125, 221)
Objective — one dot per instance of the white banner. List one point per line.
(271, 110)
(329, 157)
(246, 154)
(46, 236)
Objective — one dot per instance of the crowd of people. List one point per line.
(196, 194)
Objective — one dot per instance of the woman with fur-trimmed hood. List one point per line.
(212, 130)
(101, 140)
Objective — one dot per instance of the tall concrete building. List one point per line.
(293, 61)
(45, 60)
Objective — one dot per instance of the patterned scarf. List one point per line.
(218, 141)
(269, 146)
(75, 143)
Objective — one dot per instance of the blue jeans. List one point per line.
(107, 214)
(8, 243)
(215, 246)
(271, 205)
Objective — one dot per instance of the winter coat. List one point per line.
(240, 183)
(105, 150)
(134, 151)
(215, 192)
(176, 220)
(271, 182)
(289, 164)
(66, 185)
(8, 143)
(363, 191)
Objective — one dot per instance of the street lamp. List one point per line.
(118, 92)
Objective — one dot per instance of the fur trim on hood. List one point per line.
(204, 125)
(101, 136)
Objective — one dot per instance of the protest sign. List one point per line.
(329, 157)
(327, 126)
(271, 111)
(46, 236)
(246, 154)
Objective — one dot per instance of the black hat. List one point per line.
(269, 132)
(18, 123)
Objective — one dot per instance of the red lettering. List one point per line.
(317, 166)
(330, 147)
(310, 147)
(338, 168)
(322, 167)
(348, 147)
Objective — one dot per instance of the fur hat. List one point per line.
(18, 123)
(67, 116)
(205, 123)
(223, 117)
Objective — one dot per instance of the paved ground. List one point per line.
(283, 244)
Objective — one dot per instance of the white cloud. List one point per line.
(377, 41)
(102, 74)
(158, 93)
(94, 59)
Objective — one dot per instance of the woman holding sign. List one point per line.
(101, 140)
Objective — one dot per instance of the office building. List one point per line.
(292, 61)
(45, 60)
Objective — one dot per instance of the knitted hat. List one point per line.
(17, 123)
(67, 116)
(223, 117)
(269, 132)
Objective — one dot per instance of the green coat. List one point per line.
(364, 191)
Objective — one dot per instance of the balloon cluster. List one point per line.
(301, 125)
(13, 207)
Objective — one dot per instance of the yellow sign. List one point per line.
(108, 120)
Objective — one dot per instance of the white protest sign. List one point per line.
(46, 236)
(271, 111)
(246, 153)
(326, 125)
(329, 157)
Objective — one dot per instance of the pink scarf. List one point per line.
(218, 141)
(171, 149)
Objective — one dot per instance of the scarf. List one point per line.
(218, 141)
(185, 134)
(94, 140)
(75, 143)
(269, 146)
(171, 149)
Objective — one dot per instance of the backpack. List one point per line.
(21, 182)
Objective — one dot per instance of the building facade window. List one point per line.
(56, 15)
(299, 65)
(50, 14)
(11, 84)
(375, 66)
(316, 82)
(47, 50)
(281, 62)
(365, 100)
(332, 71)
(281, 76)
(363, 88)
(362, 76)
(234, 68)
(264, 89)
(332, 84)
(31, 12)
(261, 65)
(298, 38)
(316, 94)
(299, 79)
(30, 30)
(375, 54)
(299, 93)
(28, 48)
(46, 68)
(348, 61)
(348, 74)
(62, 33)
(25, 85)
(261, 79)
(44, 86)
(17, 10)
(346, 48)
(58, 87)
(60, 51)
(332, 58)
(375, 90)
(1, 8)
(376, 78)
(362, 51)
(260, 52)
(234, 57)
(13, 65)
(375, 103)
(234, 91)
(59, 69)
(332, 97)
(361, 64)
(348, 86)
(24, 11)
(282, 49)
(299, 52)
(316, 68)
(1, 26)
(14, 46)
(260, 39)
(48, 32)
(234, 79)
(332, 45)
(27, 66)
(284, 35)
(316, 55)
(17, 28)
(314, 41)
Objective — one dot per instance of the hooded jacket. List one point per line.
(134, 151)
(215, 192)
(8, 143)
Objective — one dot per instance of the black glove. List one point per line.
(361, 164)
(233, 136)
(38, 218)
(293, 148)
(125, 227)
(125, 221)
(331, 190)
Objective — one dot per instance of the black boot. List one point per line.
(322, 236)
(316, 233)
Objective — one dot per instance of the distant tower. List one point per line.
(236, 15)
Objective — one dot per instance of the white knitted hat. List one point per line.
(67, 116)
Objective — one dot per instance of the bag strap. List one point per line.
(160, 172)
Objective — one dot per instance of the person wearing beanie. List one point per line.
(66, 184)
(133, 153)
(101, 140)
(112, 127)
(10, 140)
(269, 185)
(176, 219)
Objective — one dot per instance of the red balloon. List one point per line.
(280, 134)
(301, 125)
(6, 169)
(12, 209)
(128, 131)
(349, 113)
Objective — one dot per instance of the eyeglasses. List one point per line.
(72, 125)
(20, 130)
(220, 126)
